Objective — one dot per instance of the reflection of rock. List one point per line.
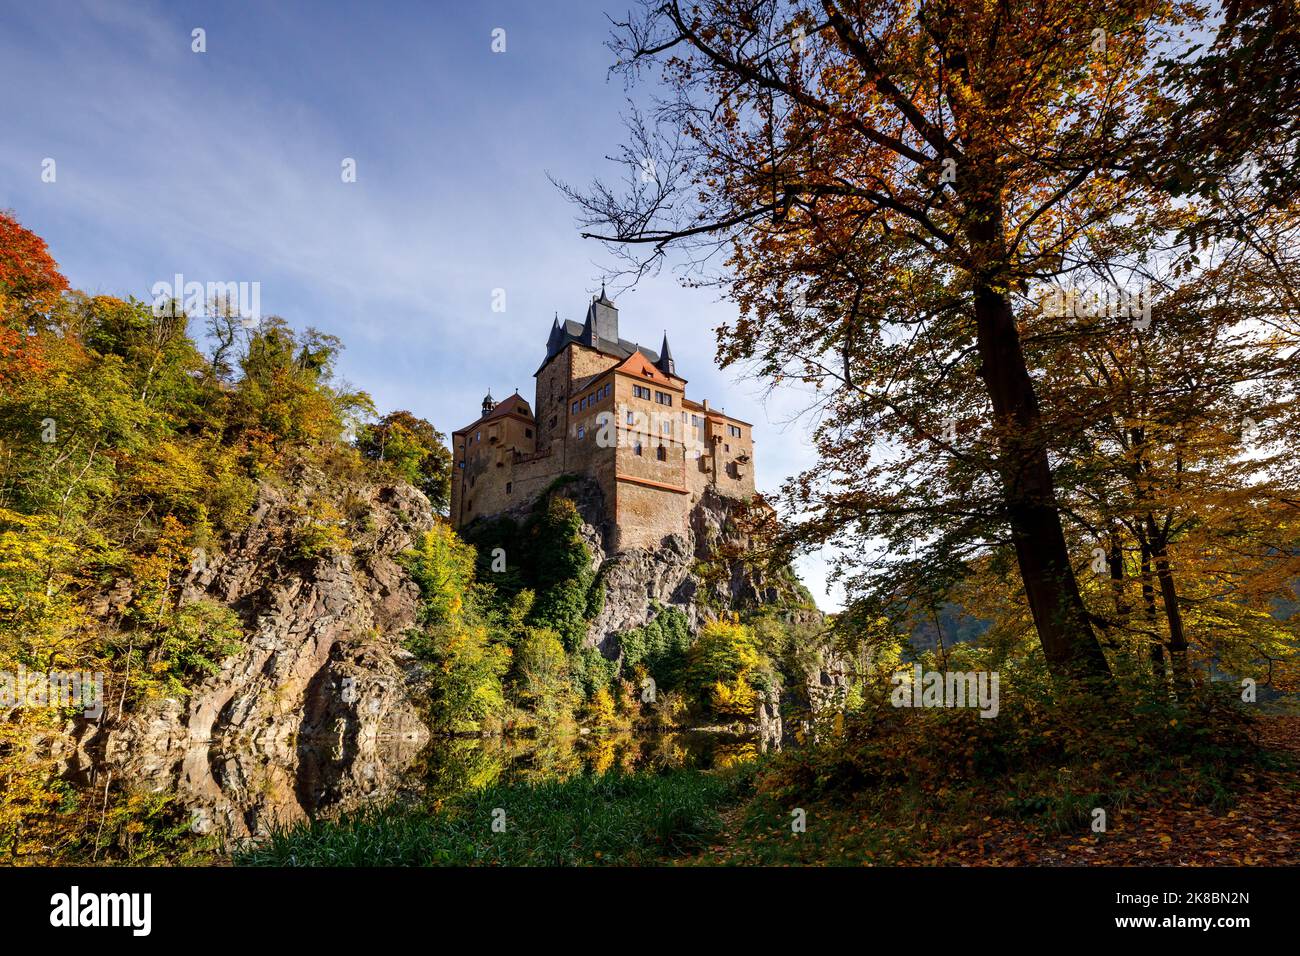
(318, 709)
(768, 721)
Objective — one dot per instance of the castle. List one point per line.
(612, 411)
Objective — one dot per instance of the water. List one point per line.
(221, 798)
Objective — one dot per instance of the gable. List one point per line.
(640, 368)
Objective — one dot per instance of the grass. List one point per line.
(614, 819)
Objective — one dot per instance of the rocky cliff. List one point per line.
(321, 706)
(706, 570)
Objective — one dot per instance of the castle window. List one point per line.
(582, 431)
(662, 453)
(478, 436)
(696, 421)
(460, 464)
(666, 427)
(469, 506)
(733, 431)
(726, 448)
(636, 449)
(472, 479)
(663, 398)
(509, 484)
(528, 433)
(640, 392)
(575, 408)
(631, 417)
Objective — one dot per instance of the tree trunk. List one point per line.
(1029, 496)
(1149, 603)
(1169, 595)
(1115, 561)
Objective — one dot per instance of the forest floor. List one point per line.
(1261, 826)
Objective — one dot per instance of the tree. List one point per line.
(724, 665)
(981, 145)
(28, 273)
(1181, 464)
(30, 287)
(1235, 99)
(415, 449)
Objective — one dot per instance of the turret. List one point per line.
(666, 363)
(602, 321)
(556, 338)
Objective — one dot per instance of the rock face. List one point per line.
(699, 571)
(318, 709)
(702, 572)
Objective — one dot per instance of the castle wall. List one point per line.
(645, 515)
(731, 456)
(551, 406)
(588, 362)
(592, 453)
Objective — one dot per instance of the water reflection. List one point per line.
(451, 767)
(233, 796)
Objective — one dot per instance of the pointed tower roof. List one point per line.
(556, 339)
(666, 363)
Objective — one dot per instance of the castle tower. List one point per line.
(666, 363)
(488, 403)
(602, 322)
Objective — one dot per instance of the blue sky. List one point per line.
(225, 166)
